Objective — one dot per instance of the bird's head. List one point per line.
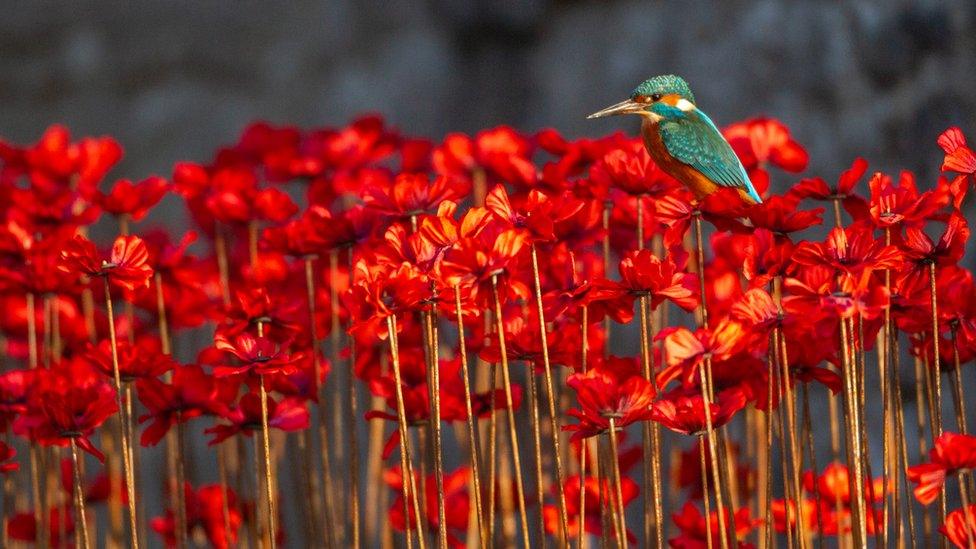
(658, 98)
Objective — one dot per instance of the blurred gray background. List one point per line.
(173, 80)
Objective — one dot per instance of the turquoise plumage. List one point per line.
(682, 139)
(694, 140)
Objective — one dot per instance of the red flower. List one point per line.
(7, 454)
(127, 266)
(696, 529)
(919, 248)
(903, 205)
(60, 524)
(500, 153)
(959, 157)
(960, 527)
(780, 214)
(413, 194)
(762, 141)
(683, 411)
(204, 510)
(475, 260)
(818, 189)
(96, 489)
(537, 214)
(67, 402)
(833, 486)
(259, 355)
(851, 252)
(456, 502)
(952, 453)
(134, 200)
(630, 169)
(614, 389)
(379, 291)
(191, 393)
(642, 273)
(591, 516)
(686, 351)
(289, 414)
(142, 360)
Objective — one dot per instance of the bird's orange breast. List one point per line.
(700, 185)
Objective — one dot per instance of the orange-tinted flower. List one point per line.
(536, 215)
(686, 351)
(614, 389)
(959, 157)
(902, 205)
(761, 142)
(851, 252)
(960, 527)
(413, 194)
(630, 169)
(501, 154)
(952, 452)
(642, 273)
(683, 411)
(591, 516)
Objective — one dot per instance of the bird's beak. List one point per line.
(627, 106)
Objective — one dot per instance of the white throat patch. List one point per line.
(684, 105)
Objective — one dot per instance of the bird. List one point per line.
(683, 140)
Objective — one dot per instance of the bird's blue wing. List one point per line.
(694, 140)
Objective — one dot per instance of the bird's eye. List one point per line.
(655, 97)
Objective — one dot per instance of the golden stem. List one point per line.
(315, 487)
(615, 465)
(706, 374)
(797, 458)
(407, 487)
(81, 518)
(708, 511)
(266, 454)
(434, 388)
(123, 418)
(510, 409)
(533, 404)
(223, 265)
(472, 432)
(225, 491)
(713, 455)
(179, 497)
(607, 209)
(853, 435)
(920, 406)
(650, 437)
(808, 435)
(550, 400)
(901, 444)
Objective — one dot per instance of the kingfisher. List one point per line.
(682, 139)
